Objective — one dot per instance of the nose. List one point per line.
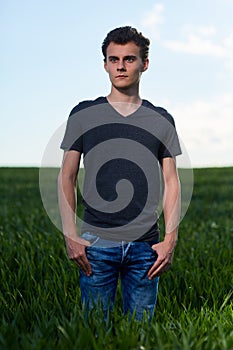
(121, 66)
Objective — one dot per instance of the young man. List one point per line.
(121, 137)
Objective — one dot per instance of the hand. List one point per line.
(76, 252)
(165, 251)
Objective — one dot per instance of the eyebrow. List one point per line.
(125, 57)
(130, 56)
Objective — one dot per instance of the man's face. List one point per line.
(124, 65)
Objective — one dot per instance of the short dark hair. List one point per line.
(124, 35)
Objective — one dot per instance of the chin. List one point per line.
(123, 86)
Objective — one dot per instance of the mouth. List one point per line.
(121, 76)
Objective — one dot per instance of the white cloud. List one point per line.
(203, 30)
(196, 45)
(207, 30)
(228, 43)
(205, 126)
(201, 42)
(153, 19)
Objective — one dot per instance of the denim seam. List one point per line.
(94, 242)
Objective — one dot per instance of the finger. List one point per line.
(156, 273)
(81, 261)
(84, 264)
(155, 267)
(159, 271)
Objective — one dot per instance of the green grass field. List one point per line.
(40, 297)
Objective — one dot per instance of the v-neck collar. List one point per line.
(131, 115)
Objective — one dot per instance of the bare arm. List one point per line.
(67, 205)
(171, 208)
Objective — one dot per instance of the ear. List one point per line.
(145, 65)
(105, 66)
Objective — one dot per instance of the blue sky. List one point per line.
(51, 59)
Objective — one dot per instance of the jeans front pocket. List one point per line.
(149, 245)
(90, 237)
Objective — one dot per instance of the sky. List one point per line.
(51, 59)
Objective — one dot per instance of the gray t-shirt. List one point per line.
(121, 155)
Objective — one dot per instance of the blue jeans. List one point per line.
(131, 262)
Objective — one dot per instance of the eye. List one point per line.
(130, 59)
(113, 59)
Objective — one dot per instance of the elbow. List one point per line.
(173, 183)
(64, 178)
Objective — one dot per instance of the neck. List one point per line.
(124, 103)
(125, 96)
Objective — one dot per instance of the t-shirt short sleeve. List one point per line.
(73, 139)
(170, 145)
